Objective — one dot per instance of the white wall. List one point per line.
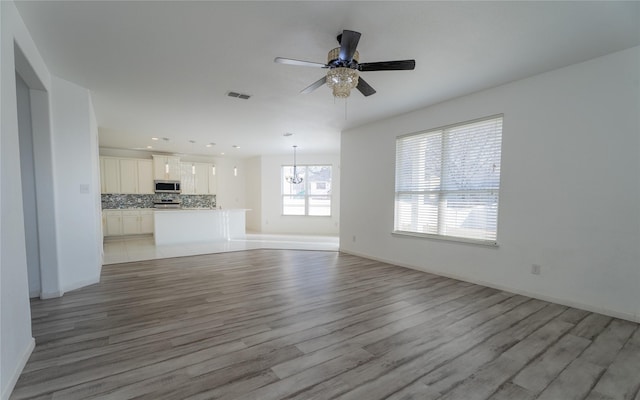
(570, 188)
(65, 157)
(16, 342)
(230, 188)
(271, 199)
(77, 190)
(254, 193)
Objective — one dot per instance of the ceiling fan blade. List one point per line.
(388, 65)
(348, 43)
(314, 85)
(290, 61)
(364, 87)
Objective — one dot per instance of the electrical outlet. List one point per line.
(535, 269)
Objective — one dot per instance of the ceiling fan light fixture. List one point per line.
(341, 81)
(344, 66)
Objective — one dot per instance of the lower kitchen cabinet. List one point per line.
(146, 221)
(112, 220)
(134, 221)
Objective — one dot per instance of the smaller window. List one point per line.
(311, 197)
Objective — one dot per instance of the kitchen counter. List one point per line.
(179, 226)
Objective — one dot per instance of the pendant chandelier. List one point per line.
(295, 179)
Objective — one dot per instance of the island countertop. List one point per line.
(176, 226)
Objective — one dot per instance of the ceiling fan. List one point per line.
(343, 64)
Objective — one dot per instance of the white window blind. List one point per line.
(448, 181)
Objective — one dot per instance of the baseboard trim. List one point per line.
(552, 299)
(81, 284)
(51, 295)
(18, 370)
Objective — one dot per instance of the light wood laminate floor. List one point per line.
(281, 324)
(142, 247)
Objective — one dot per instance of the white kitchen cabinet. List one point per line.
(102, 183)
(187, 178)
(110, 174)
(113, 222)
(197, 178)
(104, 225)
(130, 222)
(166, 167)
(203, 170)
(133, 221)
(146, 221)
(145, 177)
(128, 175)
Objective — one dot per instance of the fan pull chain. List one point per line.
(345, 109)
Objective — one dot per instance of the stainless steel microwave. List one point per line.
(167, 186)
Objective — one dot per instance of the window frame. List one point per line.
(307, 193)
(443, 130)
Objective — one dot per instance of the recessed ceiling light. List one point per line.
(287, 134)
(149, 147)
(166, 139)
(221, 154)
(235, 146)
(154, 138)
(210, 144)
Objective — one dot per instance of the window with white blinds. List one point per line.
(448, 181)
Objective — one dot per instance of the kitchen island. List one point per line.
(180, 226)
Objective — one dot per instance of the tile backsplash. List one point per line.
(119, 201)
(198, 200)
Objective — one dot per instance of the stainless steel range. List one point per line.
(167, 203)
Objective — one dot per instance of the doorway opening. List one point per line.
(36, 175)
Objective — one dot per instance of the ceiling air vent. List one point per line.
(238, 95)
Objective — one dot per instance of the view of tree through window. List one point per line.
(310, 197)
(448, 181)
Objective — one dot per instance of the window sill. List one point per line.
(488, 243)
(310, 216)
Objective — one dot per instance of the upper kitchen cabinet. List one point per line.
(187, 178)
(145, 177)
(197, 178)
(166, 168)
(110, 174)
(126, 175)
(202, 178)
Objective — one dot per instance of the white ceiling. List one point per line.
(162, 69)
